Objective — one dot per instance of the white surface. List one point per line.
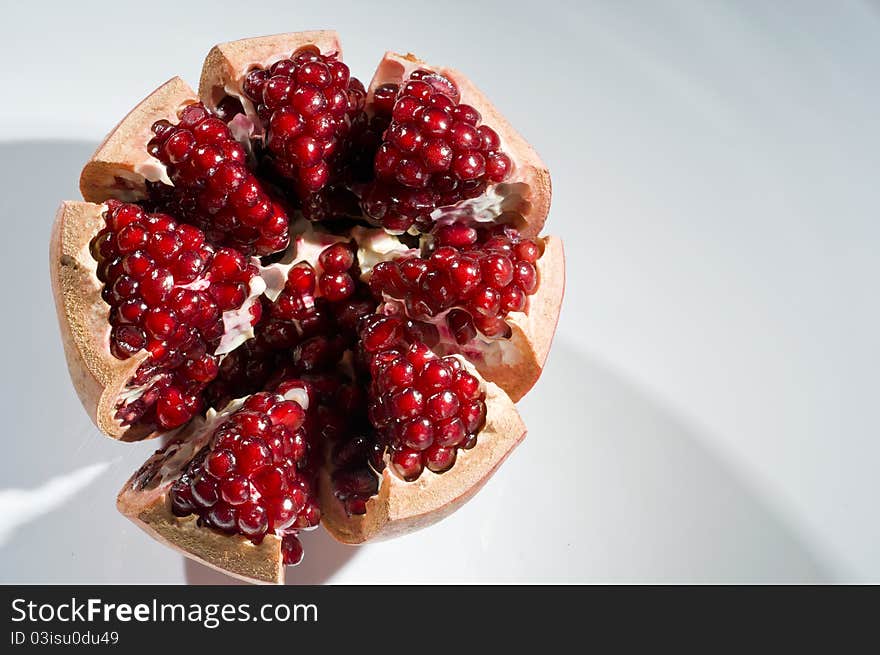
(709, 410)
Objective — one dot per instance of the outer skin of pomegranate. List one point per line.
(82, 314)
(120, 168)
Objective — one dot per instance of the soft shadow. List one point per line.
(649, 499)
(324, 557)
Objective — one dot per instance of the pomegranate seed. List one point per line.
(407, 464)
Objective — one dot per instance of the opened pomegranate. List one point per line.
(329, 296)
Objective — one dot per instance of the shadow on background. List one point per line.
(645, 495)
(618, 488)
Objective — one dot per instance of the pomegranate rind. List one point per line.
(149, 507)
(97, 376)
(530, 178)
(227, 63)
(401, 507)
(121, 165)
(525, 353)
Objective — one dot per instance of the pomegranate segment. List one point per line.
(306, 104)
(425, 407)
(522, 198)
(252, 478)
(213, 188)
(435, 152)
(168, 292)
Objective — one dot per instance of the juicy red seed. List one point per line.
(407, 464)
(527, 251)
(160, 323)
(419, 354)
(383, 98)
(435, 376)
(434, 121)
(418, 434)
(380, 334)
(287, 413)
(489, 137)
(252, 520)
(464, 137)
(292, 550)
(498, 166)
(417, 89)
(399, 374)
(227, 264)
(131, 311)
(526, 277)
(223, 517)
(513, 299)
(126, 340)
(252, 454)
(466, 386)
(465, 274)
(336, 287)
(408, 403)
(181, 499)
(204, 491)
(437, 155)
(486, 301)
(449, 432)
(178, 147)
(124, 215)
(442, 406)
(270, 481)
(439, 458)
(469, 166)
(131, 238)
(462, 326)
(337, 258)
(220, 463)
(203, 369)
(472, 414)
(466, 114)
(172, 410)
(301, 279)
(497, 270)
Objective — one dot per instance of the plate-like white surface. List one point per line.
(709, 410)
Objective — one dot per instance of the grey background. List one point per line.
(709, 411)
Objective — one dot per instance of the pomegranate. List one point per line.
(327, 296)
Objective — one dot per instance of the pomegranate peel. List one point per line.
(527, 192)
(121, 165)
(98, 377)
(401, 507)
